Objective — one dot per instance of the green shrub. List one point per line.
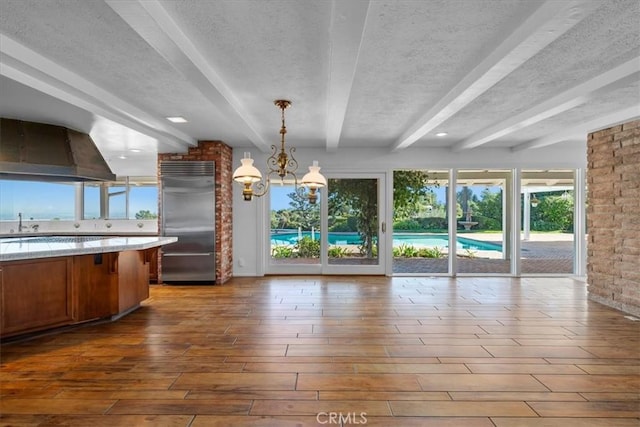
(434, 223)
(308, 248)
(281, 251)
(339, 226)
(338, 252)
(470, 253)
(557, 210)
(487, 223)
(407, 225)
(404, 250)
(542, 225)
(430, 253)
(410, 251)
(421, 224)
(345, 225)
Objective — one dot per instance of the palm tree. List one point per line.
(284, 218)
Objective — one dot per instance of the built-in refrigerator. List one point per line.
(188, 213)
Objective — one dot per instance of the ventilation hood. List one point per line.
(43, 152)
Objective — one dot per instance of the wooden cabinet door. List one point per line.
(133, 279)
(96, 285)
(35, 295)
(152, 258)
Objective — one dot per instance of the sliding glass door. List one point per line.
(294, 236)
(353, 230)
(548, 238)
(421, 242)
(343, 233)
(470, 228)
(483, 223)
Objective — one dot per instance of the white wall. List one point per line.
(249, 218)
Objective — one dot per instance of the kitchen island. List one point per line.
(48, 282)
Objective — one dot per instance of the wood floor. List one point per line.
(307, 351)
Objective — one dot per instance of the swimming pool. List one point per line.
(410, 239)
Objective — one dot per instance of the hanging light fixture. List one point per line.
(534, 201)
(281, 164)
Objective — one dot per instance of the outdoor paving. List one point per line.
(544, 253)
(547, 253)
(481, 266)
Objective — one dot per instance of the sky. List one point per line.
(279, 198)
(43, 200)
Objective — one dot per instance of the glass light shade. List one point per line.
(314, 179)
(246, 172)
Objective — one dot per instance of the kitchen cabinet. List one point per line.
(133, 279)
(45, 293)
(153, 255)
(96, 285)
(36, 294)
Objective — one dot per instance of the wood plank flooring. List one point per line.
(335, 350)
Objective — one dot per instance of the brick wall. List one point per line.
(613, 216)
(222, 155)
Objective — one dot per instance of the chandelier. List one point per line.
(280, 164)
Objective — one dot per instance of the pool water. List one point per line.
(417, 240)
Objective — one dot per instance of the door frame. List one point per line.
(272, 268)
(383, 241)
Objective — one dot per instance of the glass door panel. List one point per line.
(483, 242)
(353, 240)
(420, 222)
(294, 244)
(547, 204)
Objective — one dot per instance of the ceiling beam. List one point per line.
(154, 24)
(580, 130)
(549, 21)
(577, 95)
(569, 175)
(346, 30)
(28, 67)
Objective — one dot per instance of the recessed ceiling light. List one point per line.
(122, 157)
(135, 150)
(177, 119)
(442, 134)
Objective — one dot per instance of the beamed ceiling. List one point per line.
(514, 74)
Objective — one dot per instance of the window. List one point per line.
(143, 200)
(91, 208)
(36, 200)
(135, 198)
(117, 201)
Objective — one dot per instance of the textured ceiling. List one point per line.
(515, 74)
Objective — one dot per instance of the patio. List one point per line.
(543, 253)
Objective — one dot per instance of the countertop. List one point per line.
(77, 233)
(20, 248)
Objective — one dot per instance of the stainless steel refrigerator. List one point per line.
(188, 213)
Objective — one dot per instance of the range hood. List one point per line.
(43, 152)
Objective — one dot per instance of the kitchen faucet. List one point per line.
(20, 226)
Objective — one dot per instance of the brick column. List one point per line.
(222, 155)
(613, 216)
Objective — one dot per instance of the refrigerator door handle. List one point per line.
(187, 254)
